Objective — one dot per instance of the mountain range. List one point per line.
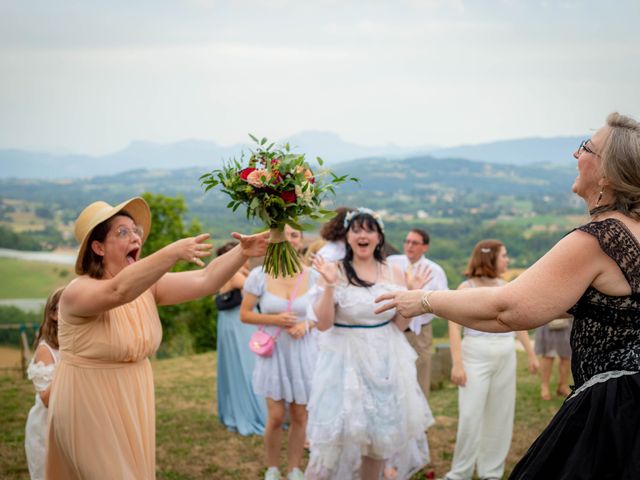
(15, 163)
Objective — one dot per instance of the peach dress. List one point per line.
(102, 411)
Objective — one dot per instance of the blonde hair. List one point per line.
(621, 164)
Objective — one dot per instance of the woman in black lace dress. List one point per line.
(594, 274)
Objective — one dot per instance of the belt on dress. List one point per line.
(84, 362)
(344, 325)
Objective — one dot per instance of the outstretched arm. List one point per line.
(86, 297)
(181, 287)
(543, 292)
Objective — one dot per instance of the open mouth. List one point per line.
(363, 243)
(132, 256)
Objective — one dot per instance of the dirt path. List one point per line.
(9, 357)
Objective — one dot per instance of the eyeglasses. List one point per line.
(583, 147)
(123, 232)
(413, 242)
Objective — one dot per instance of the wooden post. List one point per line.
(25, 351)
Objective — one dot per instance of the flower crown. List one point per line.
(358, 211)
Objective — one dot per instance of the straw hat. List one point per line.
(98, 212)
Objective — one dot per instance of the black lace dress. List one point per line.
(596, 432)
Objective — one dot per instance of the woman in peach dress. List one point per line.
(102, 412)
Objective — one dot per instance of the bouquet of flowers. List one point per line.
(279, 187)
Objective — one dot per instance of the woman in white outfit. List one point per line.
(366, 405)
(40, 371)
(484, 368)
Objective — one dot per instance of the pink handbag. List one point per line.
(263, 344)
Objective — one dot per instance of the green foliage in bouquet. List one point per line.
(279, 187)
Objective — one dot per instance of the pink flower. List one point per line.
(308, 174)
(255, 178)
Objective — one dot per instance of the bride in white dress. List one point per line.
(366, 405)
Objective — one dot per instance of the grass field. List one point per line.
(25, 279)
(191, 444)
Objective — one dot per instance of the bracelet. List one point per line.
(426, 306)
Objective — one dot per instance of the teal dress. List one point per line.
(239, 409)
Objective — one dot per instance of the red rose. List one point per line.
(245, 173)
(289, 197)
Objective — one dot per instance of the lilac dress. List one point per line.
(287, 374)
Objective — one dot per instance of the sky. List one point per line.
(89, 76)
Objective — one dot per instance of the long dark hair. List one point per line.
(368, 222)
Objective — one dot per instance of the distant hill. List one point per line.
(441, 187)
(523, 151)
(208, 155)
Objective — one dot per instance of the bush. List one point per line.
(9, 315)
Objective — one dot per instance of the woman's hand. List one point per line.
(328, 270)
(297, 331)
(408, 304)
(253, 245)
(458, 375)
(421, 276)
(285, 319)
(192, 249)
(534, 364)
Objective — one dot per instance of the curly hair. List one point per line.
(334, 230)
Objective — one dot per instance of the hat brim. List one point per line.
(137, 207)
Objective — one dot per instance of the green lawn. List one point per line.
(25, 279)
(191, 444)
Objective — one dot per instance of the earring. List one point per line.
(599, 197)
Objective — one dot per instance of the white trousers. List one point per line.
(486, 407)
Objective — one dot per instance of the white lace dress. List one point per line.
(36, 429)
(365, 399)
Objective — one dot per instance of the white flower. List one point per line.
(307, 195)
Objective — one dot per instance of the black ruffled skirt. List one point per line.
(595, 435)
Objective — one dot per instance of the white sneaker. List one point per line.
(295, 474)
(272, 473)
